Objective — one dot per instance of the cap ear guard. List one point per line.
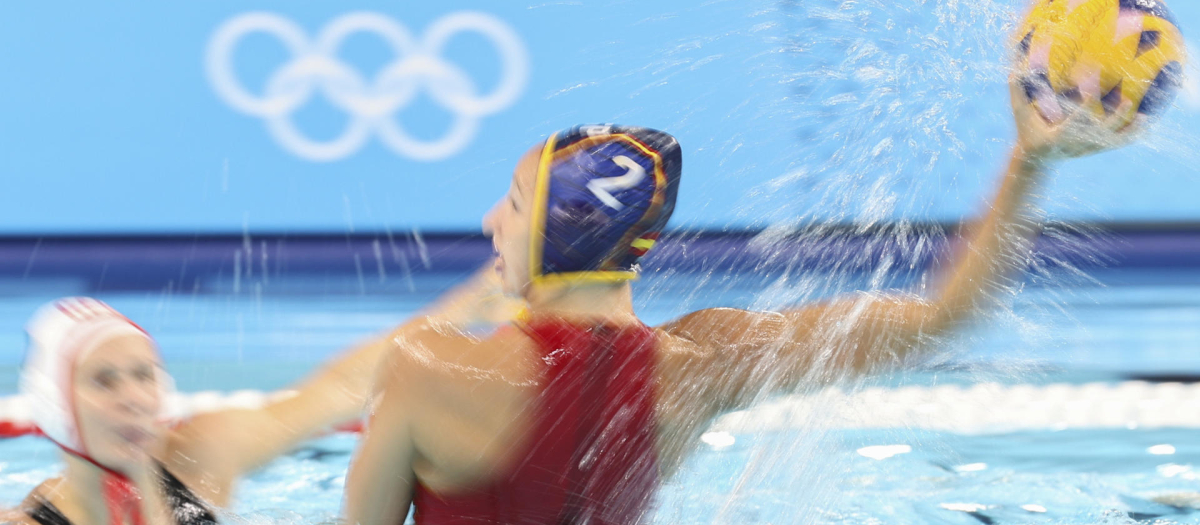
(602, 196)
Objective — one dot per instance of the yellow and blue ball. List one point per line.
(1120, 60)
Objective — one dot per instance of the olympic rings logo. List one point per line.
(370, 105)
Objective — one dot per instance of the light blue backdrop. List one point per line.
(787, 110)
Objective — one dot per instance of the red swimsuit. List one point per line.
(591, 458)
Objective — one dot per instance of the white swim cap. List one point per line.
(60, 334)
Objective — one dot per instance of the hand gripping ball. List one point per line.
(1120, 60)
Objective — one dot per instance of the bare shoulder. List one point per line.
(442, 378)
(431, 364)
(699, 353)
(19, 515)
(436, 349)
(16, 516)
(723, 328)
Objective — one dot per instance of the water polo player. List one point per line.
(575, 412)
(97, 387)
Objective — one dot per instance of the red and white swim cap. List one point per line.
(60, 335)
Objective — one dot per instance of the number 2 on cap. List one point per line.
(602, 188)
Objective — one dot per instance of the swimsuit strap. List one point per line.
(187, 508)
(46, 513)
(185, 505)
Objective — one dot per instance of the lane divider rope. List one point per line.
(967, 409)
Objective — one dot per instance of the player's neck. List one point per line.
(81, 491)
(585, 302)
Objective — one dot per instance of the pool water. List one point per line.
(1111, 476)
(1121, 324)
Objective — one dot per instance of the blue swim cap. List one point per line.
(603, 194)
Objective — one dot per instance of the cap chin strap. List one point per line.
(121, 496)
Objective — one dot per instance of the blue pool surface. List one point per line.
(1117, 324)
(1069, 477)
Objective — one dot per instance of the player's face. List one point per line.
(508, 224)
(117, 399)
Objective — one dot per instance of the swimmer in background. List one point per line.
(97, 386)
(575, 412)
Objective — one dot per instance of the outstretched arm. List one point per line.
(778, 351)
(221, 446)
